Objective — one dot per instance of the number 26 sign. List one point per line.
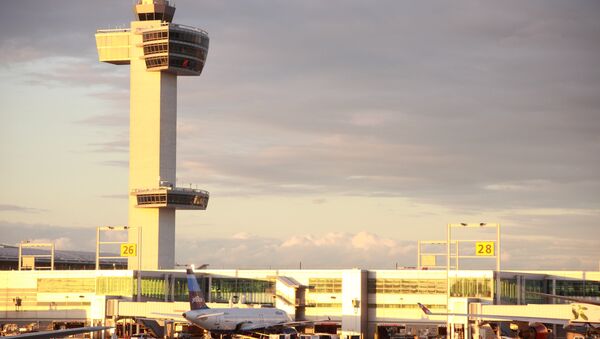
(128, 250)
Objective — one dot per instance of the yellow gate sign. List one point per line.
(128, 250)
(484, 248)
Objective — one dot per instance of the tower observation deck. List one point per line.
(157, 52)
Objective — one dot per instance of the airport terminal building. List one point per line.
(359, 303)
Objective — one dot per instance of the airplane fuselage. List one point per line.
(236, 319)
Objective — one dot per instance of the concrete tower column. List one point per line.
(152, 154)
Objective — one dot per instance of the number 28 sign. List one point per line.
(484, 248)
(128, 250)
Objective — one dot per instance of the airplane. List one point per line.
(581, 317)
(230, 321)
(59, 333)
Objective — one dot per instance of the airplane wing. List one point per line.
(307, 322)
(60, 333)
(179, 315)
(208, 315)
(294, 323)
(492, 317)
(577, 300)
(250, 326)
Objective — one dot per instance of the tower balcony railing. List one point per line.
(171, 197)
(113, 30)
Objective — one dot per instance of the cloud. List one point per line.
(518, 186)
(22, 209)
(327, 250)
(115, 163)
(368, 250)
(119, 145)
(65, 238)
(62, 243)
(241, 236)
(547, 252)
(444, 118)
(115, 196)
(116, 120)
(14, 51)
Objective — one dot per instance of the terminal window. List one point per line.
(407, 286)
(66, 285)
(320, 285)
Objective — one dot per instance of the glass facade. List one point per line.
(66, 285)
(155, 35)
(184, 49)
(407, 286)
(116, 286)
(325, 305)
(153, 288)
(534, 286)
(161, 47)
(471, 287)
(578, 288)
(325, 285)
(321, 292)
(189, 37)
(244, 290)
(509, 290)
(185, 63)
(168, 198)
(407, 306)
(121, 286)
(572, 288)
(157, 61)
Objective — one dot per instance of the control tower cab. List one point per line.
(157, 51)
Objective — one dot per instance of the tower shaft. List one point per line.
(152, 154)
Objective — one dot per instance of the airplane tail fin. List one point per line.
(197, 301)
(424, 309)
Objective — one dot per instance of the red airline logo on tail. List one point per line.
(424, 308)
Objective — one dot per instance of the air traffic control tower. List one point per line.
(157, 52)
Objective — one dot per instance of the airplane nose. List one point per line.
(184, 314)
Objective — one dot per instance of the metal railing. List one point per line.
(171, 189)
(114, 30)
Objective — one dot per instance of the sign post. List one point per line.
(484, 249)
(126, 250)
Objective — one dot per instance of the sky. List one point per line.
(335, 134)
